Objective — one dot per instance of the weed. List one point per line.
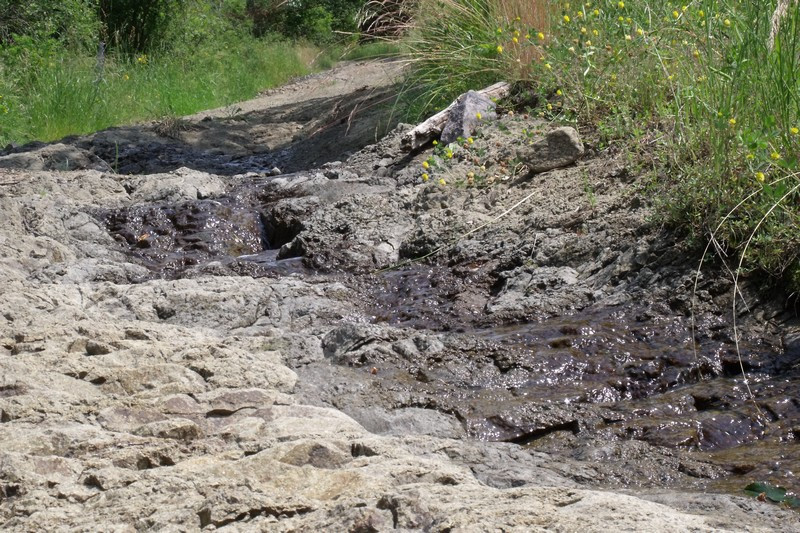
(710, 90)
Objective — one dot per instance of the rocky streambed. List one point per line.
(228, 324)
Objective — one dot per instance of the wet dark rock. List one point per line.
(559, 148)
(54, 157)
(173, 237)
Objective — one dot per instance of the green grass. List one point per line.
(56, 93)
(693, 87)
(373, 50)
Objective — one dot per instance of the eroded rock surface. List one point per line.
(192, 351)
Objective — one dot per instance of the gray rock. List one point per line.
(55, 157)
(463, 118)
(408, 421)
(559, 148)
(174, 428)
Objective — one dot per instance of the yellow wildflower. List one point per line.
(676, 14)
(628, 37)
(749, 157)
(515, 40)
(584, 30)
(426, 165)
(621, 5)
(499, 49)
(732, 121)
(760, 177)
(470, 140)
(548, 66)
(727, 23)
(566, 18)
(558, 92)
(596, 12)
(442, 182)
(478, 116)
(425, 176)
(794, 130)
(540, 35)
(775, 156)
(640, 31)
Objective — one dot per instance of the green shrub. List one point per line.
(135, 25)
(695, 85)
(321, 21)
(71, 22)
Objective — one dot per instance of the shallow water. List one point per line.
(640, 370)
(554, 383)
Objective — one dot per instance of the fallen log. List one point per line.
(432, 127)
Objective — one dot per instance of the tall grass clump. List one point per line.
(706, 91)
(457, 45)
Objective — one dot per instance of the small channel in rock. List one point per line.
(574, 385)
(236, 234)
(566, 384)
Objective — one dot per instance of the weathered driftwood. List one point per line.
(432, 127)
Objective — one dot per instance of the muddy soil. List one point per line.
(266, 317)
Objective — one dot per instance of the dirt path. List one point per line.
(203, 326)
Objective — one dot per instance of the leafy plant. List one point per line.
(138, 26)
(771, 493)
(710, 90)
(317, 20)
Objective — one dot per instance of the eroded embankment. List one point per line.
(208, 349)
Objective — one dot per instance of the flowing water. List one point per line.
(563, 384)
